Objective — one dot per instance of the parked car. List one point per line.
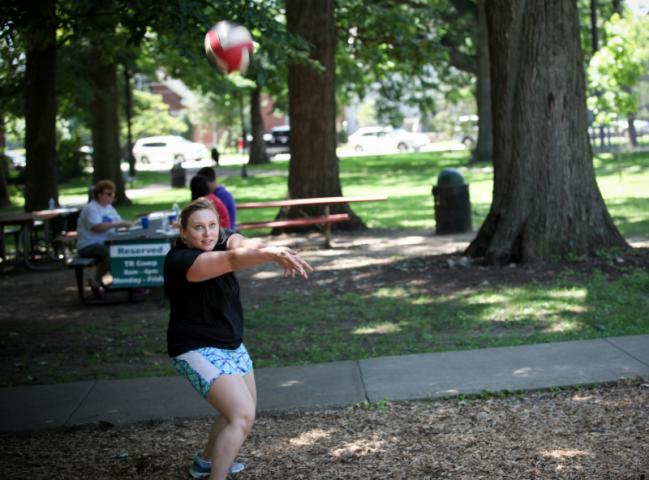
(16, 158)
(167, 150)
(277, 141)
(386, 139)
(466, 130)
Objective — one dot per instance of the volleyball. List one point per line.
(228, 47)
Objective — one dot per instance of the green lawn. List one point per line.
(407, 179)
(393, 321)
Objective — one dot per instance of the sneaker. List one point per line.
(201, 468)
(98, 291)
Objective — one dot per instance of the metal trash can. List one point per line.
(178, 176)
(452, 203)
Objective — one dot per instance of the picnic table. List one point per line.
(136, 260)
(26, 240)
(321, 221)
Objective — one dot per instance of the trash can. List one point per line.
(452, 203)
(178, 176)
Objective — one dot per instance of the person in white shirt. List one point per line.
(97, 221)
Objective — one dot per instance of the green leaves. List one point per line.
(617, 67)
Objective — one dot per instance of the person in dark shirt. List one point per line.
(222, 193)
(199, 187)
(205, 332)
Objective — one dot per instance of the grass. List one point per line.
(396, 321)
(406, 178)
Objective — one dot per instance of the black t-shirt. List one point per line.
(203, 314)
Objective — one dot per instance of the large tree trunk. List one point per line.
(104, 124)
(314, 167)
(546, 200)
(257, 154)
(40, 117)
(483, 151)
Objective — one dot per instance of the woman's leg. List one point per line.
(230, 395)
(249, 378)
(217, 426)
(219, 421)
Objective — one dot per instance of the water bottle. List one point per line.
(175, 209)
(51, 205)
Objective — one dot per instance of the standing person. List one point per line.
(221, 192)
(215, 155)
(200, 188)
(205, 333)
(97, 221)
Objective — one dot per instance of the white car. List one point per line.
(167, 150)
(371, 139)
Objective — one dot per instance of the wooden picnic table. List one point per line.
(26, 221)
(323, 221)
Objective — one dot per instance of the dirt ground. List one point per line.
(48, 336)
(599, 433)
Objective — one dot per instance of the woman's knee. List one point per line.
(243, 419)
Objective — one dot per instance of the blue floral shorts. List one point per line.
(204, 365)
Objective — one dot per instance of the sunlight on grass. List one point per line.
(403, 320)
(379, 329)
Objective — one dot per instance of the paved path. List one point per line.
(410, 377)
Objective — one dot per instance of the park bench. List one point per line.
(79, 264)
(323, 222)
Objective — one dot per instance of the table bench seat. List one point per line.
(79, 264)
(296, 222)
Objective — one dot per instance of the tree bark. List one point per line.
(546, 201)
(314, 166)
(104, 123)
(483, 151)
(40, 117)
(5, 201)
(258, 147)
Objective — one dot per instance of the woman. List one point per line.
(205, 333)
(199, 186)
(97, 221)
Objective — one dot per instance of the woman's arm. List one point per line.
(104, 226)
(213, 264)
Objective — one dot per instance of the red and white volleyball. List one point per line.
(229, 47)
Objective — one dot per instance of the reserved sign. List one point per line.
(138, 263)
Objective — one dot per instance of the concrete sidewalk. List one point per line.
(410, 377)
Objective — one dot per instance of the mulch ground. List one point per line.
(598, 433)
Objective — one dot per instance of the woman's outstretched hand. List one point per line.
(290, 261)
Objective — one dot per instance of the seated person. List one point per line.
(200, 188)
(222, 193)
(97, 221)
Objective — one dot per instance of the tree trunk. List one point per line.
(128, 115)
(631, 131)
(40, 118)
(104, 124)
(594, 32)
(5, 201)
(314, 166)
(258, 147)
(483, 151)
(546, 200)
